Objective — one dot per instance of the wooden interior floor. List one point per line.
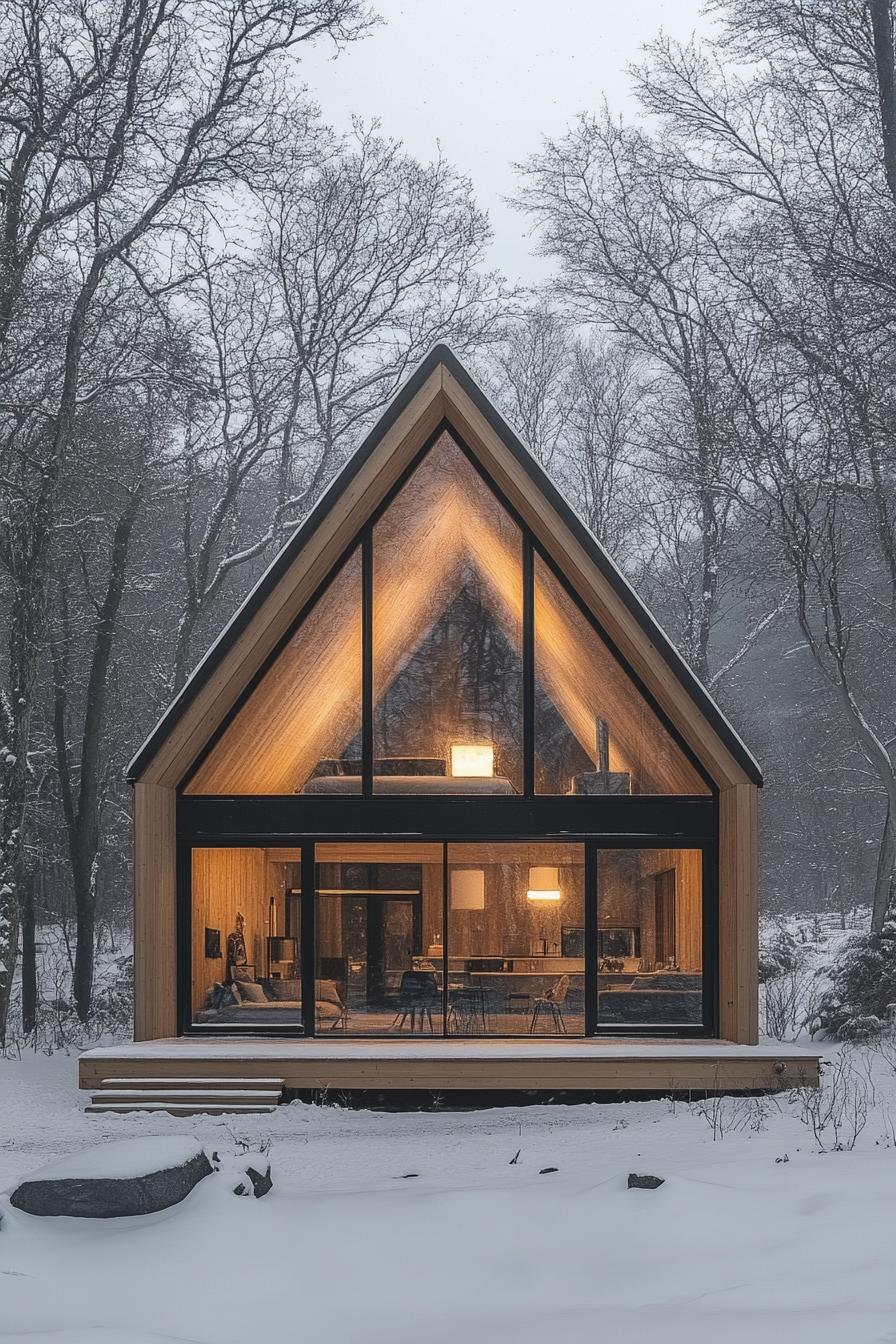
(433, 1064)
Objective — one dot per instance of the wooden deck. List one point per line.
(465, 1065)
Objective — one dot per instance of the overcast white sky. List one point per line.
(488, 78)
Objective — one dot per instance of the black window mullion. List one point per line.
(592, 896)
(528, 666)
(710, 969)
(308, 947)
(367, 663)
(444, 938)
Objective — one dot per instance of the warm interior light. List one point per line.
(468, 889)
(472, 759)
(544, 884)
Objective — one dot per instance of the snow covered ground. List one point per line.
(411, 1227)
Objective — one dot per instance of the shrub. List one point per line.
(779, 955)
(856, 1006)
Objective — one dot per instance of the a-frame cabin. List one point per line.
(443, 807)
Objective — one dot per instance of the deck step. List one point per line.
(186, 1096)
(206, 1084)
(218, 1095)
(206, 1107)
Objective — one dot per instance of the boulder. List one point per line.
(115, 1180)
(636, 1182)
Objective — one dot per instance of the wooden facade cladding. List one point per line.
(443, 397)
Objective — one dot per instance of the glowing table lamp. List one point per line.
(472, 760)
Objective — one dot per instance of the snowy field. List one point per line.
(400, 1228)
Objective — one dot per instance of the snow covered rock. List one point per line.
(256, 1182)
(248, 1168)
(116, 1180)
(636, 1182)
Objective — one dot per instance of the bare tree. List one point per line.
(119, 120)
(366, 258)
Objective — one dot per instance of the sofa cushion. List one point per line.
(287, 988)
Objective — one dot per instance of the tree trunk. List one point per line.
(882, 29)
(886, 874)
(29, 957)
(26, 621)
(82, 809)
(85, 942)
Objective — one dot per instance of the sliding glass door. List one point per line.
(379, 941)
(488, 939)
(247, 949)
(650, 939)
(516, 944)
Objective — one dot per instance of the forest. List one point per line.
(208, 295)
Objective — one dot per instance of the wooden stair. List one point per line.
(186, 1096)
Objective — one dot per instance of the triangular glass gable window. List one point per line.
(447, 634)
(594, 731)
(447, 629)
(295, 731)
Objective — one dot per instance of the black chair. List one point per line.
(418, 994)
(467, 1010)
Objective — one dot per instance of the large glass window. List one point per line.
(510, 960)
(448, 653)
(380, 940)
(594, 732)
(299, 730)
(447, 635)
(516, 946)
(650, 937)
(246, 954)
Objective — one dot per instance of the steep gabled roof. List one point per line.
(442, 358)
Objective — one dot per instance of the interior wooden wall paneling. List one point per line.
(378, 851)
(306, 706)
(225, 881)
(510, 924)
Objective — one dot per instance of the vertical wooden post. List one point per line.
(739, 914)
(155, 912)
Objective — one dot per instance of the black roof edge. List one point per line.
(442, 355)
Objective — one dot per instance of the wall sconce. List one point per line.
(544, 884)
(468, 889)
(472, 760)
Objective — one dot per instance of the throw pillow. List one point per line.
(251, 992)
(285, 990)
